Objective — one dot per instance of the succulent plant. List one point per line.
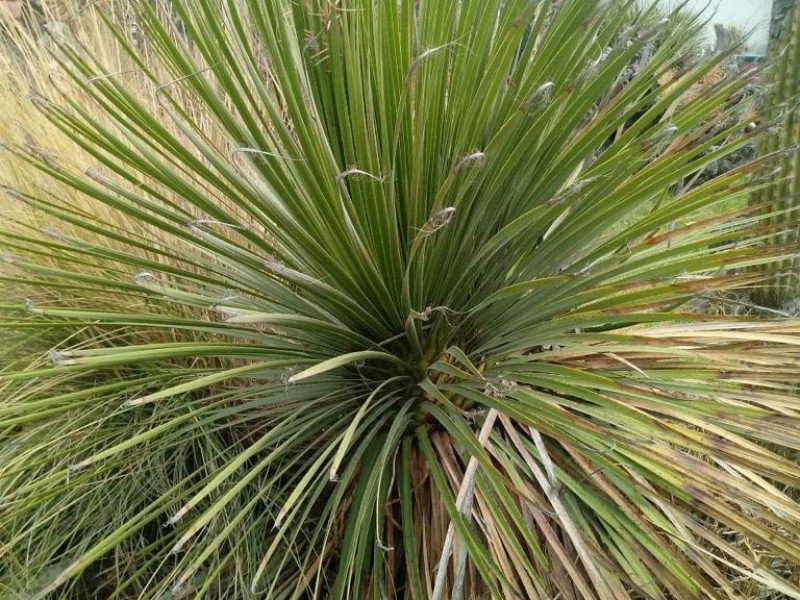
(779, 194)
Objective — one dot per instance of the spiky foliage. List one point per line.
(425, 282)
(781, 195)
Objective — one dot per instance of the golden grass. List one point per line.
(30, 73)
(29, 69)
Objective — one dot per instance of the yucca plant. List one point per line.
(424, 317)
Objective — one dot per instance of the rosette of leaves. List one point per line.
(421, 325)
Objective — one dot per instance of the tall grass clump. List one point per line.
(390, 300)
(31, 73)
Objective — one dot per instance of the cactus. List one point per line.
(782, 194)
(780, 10)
